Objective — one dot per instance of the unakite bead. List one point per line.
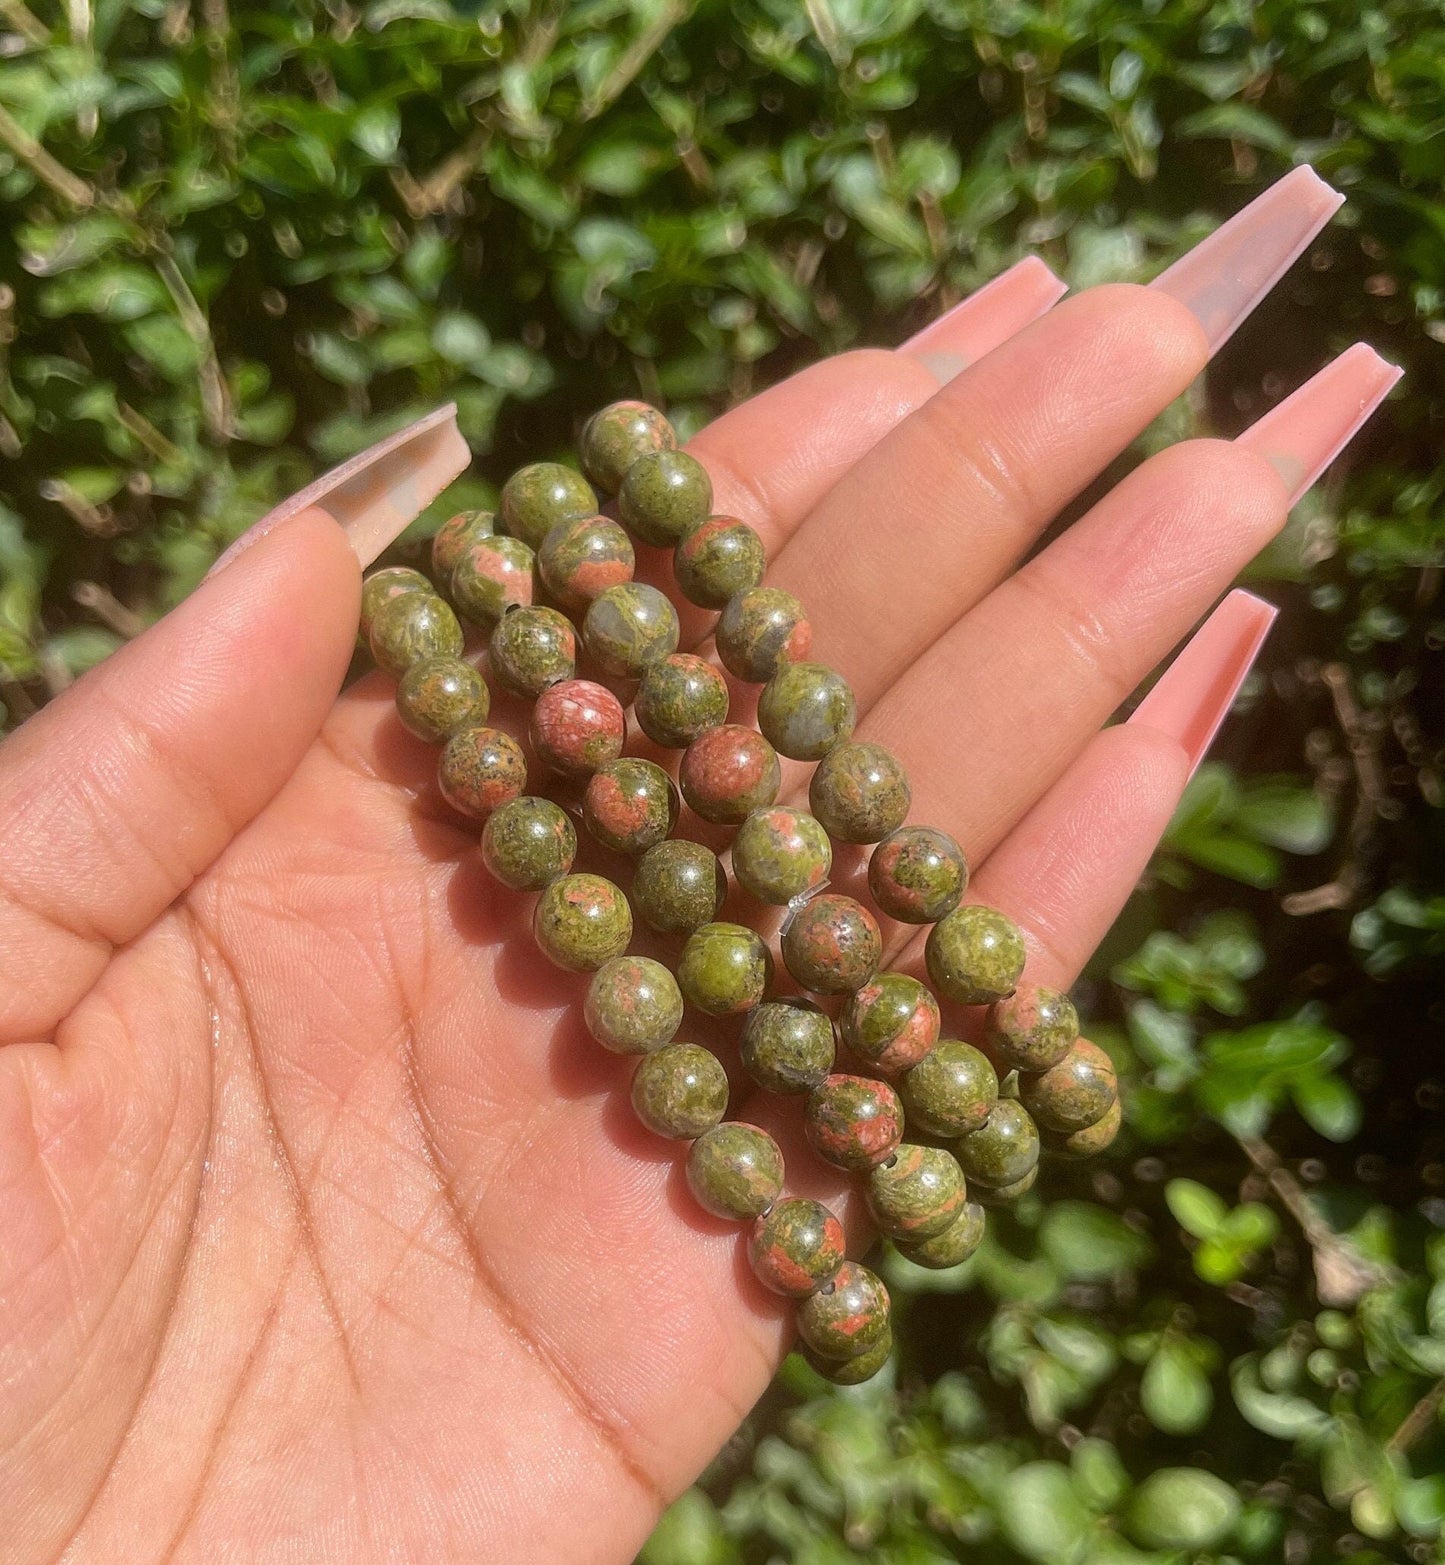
(1092, 1139)
(975, 955)
(679, 698)
(410, 627)
(680, 1090)
(917, 874)
(760, 630)
(1003, 1149)
(779, 853)
(532, 648)
(724, 969)
(480, 770)
(535, 498)
(452, 537)
(528, 843)
(1032, 1029)
(853, 1371)
(847, 1316)
(577, 726)
(382, 586)
(663, 494)
(633, 1005)
(728, 772)
(615, 436)
(630, 804)
(787, 1045)
(951, 1247)
(735, 1170)
(579, 560)
(437, 696)
(832, 944)
(951, 1089)
(853, 1121)
(860, 792)
(916, 1193)
(679, 886)
(492, 576)
(805, 709)
(1075, 1093)
(630, 627)
(891, 1022)
(1006, 1195)
(582, 921)
(717, 559)
(796, 1247)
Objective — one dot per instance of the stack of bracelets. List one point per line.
(977, 1137)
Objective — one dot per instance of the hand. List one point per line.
(325, 1232)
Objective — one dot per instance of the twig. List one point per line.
(826, 29)
(148, 435)
(215, 398)
(45, 168)
(24, 21)
(108, 609)
(1420, 1420)
(633, 58)
(428, 196)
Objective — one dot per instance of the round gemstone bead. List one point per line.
(480, 770)
(582, 922)
(451, 539)
(779, 853)
(860, 792)
(633, 1005)
(412, 626)
(532, 648)
(760, 630)
(628, 628)
(847, 1316)
(951, 1090)
(951, 1247)
(916, 1193)
(528, 843)
(535, 498)
(663, 494)
(1005, 1195)
(679, 886)
(853, 1371)
(615, 436)
(787, 1045)
(735, 1170)
(832, 944)
(1003, 1149)
(728, 772)
(1092, 1139)
(805, 709)
(796, 1247)
(853, 1121)
(680, 1090)
(579, 560)
(891, 1022)
(975, 955)
(492, 576)
(1032, 1029)
(438, 696)
(724, 969)
(717, 559)
(578, 726)
(917, 874)
(381, 586)
(630, 805)
(1075, 1093)
(679, 698)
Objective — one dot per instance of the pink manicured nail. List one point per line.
(376, 494)
(1194, 694)
(1309, 429)
(978, 324)
(1223, 277)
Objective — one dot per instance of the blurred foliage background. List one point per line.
(241, 241)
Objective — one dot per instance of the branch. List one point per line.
(633, 58)
(215, 399)
(24, 21)
(44, 167)
(1420, 1420)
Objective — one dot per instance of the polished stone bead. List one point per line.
(891, 1022)
(532, 648)
(413, 626)
(579, 560)
(663, 494)
(787, 1045)
(1092, 1139)
(1075, 1093)
(951, 1247)
(805, 709)
(847, 1316)
(628, 628)
(796, 1247)
(724, 969)
(528, 843)
(860, 792)
(535, 498)
(392, 581)
(951, 1089)
(633, 1005)
(577, 726)
(450, 540)
(917, 874)
(492, 576)
(760, 630)
(1032, 1029)
(728, 772)
(735, 1170)
(853, 1371)
(438, 696)
(916, 1193)
(679, 698)
(717, 559)
(832, 944)
(480, 770)
(1003, 1149)
(679, 886)
(680, 1090)
(853, 1122)
(630, 805)
(975, 955)
(779, 853)
(615, 436)
(1006, 1195)
(582, 922)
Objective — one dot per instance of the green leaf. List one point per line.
(1088, 1242)
(1196, 1208)
(1182, 1508)
(1280, 812)
(1100, 1477)
(377, 131)
(1175, 1393)
(1276, 1413)
(1329, 1105)
(1043, 1515)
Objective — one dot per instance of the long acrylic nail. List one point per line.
(1223, 277)
(978, 324)
(1309, 429)
(1194, 694)
(376, 494)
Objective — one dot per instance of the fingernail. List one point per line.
(1309, 429)
(1222, 278)
(1193, 695)
(376, 494)
(978, 324)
